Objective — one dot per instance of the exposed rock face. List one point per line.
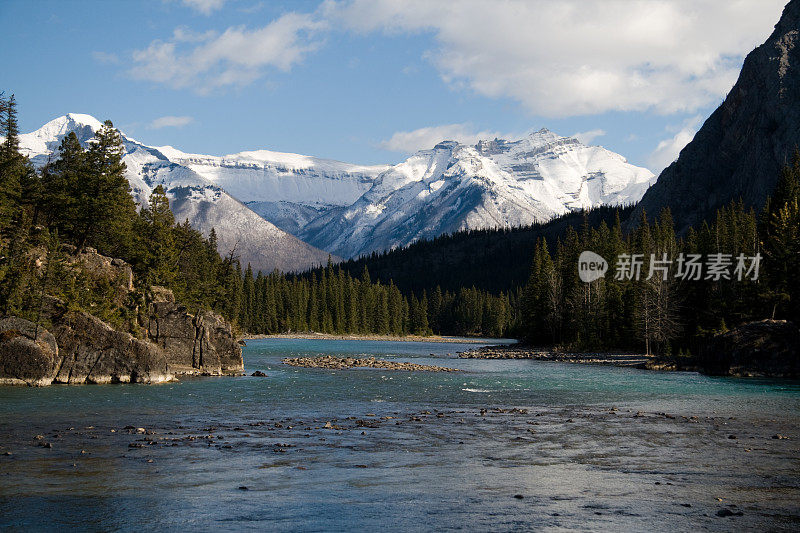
(91, 351)
(195, 344)
(81, 348)
(742, 146)
(764, 348)
(28, 355)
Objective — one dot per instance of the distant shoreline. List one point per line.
(637, 360)
(389, 338)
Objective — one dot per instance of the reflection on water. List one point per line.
(585, 447)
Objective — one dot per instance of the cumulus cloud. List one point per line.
(238, 56)
(426, 138)
(586, 137)
(668, 150)
(206, 7)
(170, 121)
(563, 58)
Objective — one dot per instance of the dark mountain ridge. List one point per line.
(740, 149)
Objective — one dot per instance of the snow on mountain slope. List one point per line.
(495, 183)
(350, 210)
(286, 189)
(206, 205)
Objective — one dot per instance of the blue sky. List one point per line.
(369, 81)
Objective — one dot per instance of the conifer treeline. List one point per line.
(495, 259)
(668, 314)
(335, 302)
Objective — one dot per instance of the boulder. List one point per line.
(91, 351)
(763, 348)
(28, 354)
(201, 343)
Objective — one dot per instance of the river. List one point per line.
(502, 445)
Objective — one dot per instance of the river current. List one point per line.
(501, 445)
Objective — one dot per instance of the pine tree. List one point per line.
(248, 297)
(158, 240)
(106, 209)
(61, 182)
(14, 167)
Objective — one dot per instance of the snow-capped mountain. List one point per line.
(205, 204)
(289, 190)
(495, 183)
(349, 210)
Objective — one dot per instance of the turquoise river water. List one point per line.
(502, 445)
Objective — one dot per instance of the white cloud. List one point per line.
(105, 58)
(576, 57)
(206, 7)
(170, 122)
(237, 56)
(668, 150)
(586, 137)
(426, 138)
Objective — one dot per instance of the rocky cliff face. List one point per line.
(80, 348)
(28, 355)
(91, 351)
(742, 146)
(197, 344)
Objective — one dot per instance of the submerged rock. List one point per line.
(764, 348)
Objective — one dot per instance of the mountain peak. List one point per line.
(544, 135)
(47, 138)
(69, 122)
(446, 145)
(741, 147)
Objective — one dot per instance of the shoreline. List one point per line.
(635, 360)
(382, 338)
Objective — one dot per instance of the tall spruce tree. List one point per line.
(157, 239)
(106, 209)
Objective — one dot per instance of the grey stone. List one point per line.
(200, 343)
(26, 358)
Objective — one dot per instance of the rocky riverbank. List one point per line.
(767, 348)
(72, 346)
(541, 354)
(343, 363)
